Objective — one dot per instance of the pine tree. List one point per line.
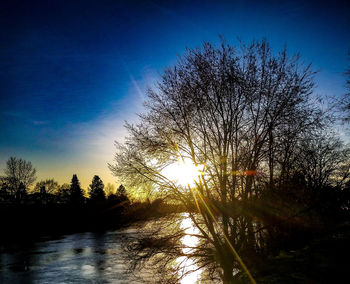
(121, 194)
(121, 190)
(96, 191)
(76, 193)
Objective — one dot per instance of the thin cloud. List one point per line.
(40, 122)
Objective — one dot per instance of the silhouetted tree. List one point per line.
(51, 186)
(17, 172)
(4, 191)
(346, 197)
(63, 193)
(96, 190)
(121, 194)
(121, 190)
(21, 192)
(76, 193)
(324, 161)
(238, 112)
(110, 189)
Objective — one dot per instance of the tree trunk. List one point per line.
(227, 277)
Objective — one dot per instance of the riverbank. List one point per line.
(24, 223)
(322, 260)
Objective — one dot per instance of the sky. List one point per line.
(72, 72)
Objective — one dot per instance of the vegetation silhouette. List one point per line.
(96, 191)
(265, 181)
(76, 193)
(50, 209)
(19, 174)
(271, 172)
(51, 186)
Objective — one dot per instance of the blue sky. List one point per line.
(71, 72)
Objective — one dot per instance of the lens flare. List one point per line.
(184, 172)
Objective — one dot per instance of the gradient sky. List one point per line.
(72, 71)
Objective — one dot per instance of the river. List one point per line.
(88, 257)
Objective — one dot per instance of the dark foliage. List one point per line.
(274, 174)
(76, 193)
(96, 190)
(19, 175)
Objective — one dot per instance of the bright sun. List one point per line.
(183, 172)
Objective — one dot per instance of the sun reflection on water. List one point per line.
(189, 242)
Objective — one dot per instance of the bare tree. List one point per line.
(19, 171)
(51, 186)
(232, 112)
(323, 160)
(63, 193)
(110, 189)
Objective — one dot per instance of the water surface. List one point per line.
(88, 257)
(80, 258)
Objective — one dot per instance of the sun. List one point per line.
(183, 172)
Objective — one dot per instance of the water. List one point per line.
(81, 258)
(189, 241)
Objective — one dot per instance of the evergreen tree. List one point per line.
(121, 191)
(121, 194)
(96, 191)
(76, 193)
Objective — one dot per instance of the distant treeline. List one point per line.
(51, 209)
(20, 175)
